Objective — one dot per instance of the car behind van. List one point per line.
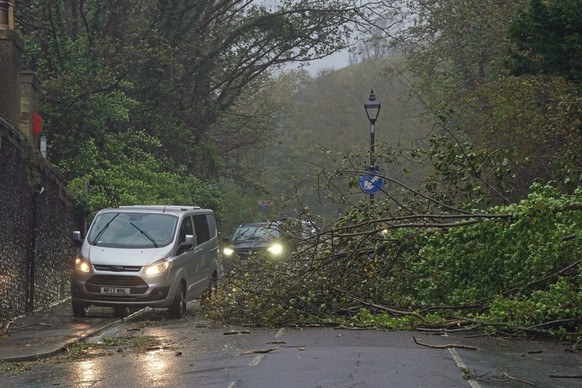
(252, 239)
(138, 256)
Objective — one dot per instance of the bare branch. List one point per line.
(447, 346)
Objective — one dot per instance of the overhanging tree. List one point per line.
(172, 68)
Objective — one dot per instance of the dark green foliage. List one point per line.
(474, 263)
(133, 174)
(559, 303)
(548, 37)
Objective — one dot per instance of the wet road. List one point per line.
(152, 351)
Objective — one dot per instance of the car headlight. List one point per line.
(158, 267)
(276, 249)
(228, 251)
(82, 265)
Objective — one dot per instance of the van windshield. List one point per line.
(132, 230)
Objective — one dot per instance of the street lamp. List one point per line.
(372, 107)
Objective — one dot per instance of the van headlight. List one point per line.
(276, 249)
(158, 267)
(228, 251)
(82, 265)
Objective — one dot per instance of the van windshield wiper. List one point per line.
(145, 234)
(104, 229)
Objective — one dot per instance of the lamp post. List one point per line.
(372, 107)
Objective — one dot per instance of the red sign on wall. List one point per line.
(36, 124)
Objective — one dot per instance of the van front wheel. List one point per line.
(120, 312)
(79, 310)
(178, 307)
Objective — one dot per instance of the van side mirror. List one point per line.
(188, 244)
(190, 240)
(77, 240)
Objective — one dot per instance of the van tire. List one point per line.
(80, 310)
(120, 312)
(178, 307)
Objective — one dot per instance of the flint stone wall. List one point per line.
(36, 221)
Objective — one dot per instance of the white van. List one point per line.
(138, 256)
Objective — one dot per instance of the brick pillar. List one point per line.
(5, 14)
(29, 103)
(11, 48)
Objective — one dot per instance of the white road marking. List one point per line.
(461, 364)
(255, 361)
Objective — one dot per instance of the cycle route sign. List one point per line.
(371, 183)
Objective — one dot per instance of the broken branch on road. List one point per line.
(511, 378)
(447, 346)
(260, 351)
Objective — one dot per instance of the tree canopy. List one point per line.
(176, 70)
(526, 122)
(548, 40)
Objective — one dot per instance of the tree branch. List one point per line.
(383, 308)
(447, 346)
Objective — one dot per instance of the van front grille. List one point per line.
(117, 281)
(117, 268)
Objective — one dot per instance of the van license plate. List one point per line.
(115, 290)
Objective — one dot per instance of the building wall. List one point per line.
(36, 222)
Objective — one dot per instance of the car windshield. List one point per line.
(132, 230)
(255, 232)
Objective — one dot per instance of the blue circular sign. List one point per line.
(371, 183)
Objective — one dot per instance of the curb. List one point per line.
(70, 342)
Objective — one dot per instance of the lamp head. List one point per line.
(372, 107)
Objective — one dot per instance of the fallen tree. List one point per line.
(515, 272)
